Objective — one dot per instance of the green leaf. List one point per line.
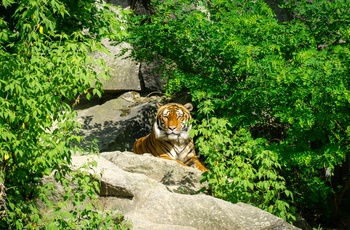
(7, 3)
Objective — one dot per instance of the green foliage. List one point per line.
(285, 83)
(83, 212)
(326, 20)
(45, 63)
(243, 169)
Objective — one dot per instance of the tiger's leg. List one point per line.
(194, 160)
(138, 147)
(198, 164)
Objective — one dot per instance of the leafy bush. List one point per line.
(243, 169)
(45, 63)
(285, 83)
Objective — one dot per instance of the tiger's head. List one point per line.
(172, 122)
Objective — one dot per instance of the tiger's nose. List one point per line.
(172, 128)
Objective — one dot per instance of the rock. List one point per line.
(282, 14)
(175, 177)
(148, 204)
(124, 72)
(164, 210)
(141, 7)
(117, 123)
(150, 77)
(302, 223)
(115, 181)
(121, 3)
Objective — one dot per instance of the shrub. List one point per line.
(45, 63)
(242, 169)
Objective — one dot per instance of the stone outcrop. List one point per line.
(117, 123)
(164, 210)
(150, 77)
(177, 179)
(138, 188)
(124, 72)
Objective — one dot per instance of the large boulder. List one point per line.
(177, 179)
(117, 123)
(160, 209)
(151, 80)
(115, 181)
(149, 204)
(124, 71)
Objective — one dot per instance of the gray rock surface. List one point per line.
(121, 3)
(124, 72)
(149, 76)
(148, 203)
(165, 210)
(115, 181)
(175, 177)
(117, 123)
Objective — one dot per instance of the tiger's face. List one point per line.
(172, 122)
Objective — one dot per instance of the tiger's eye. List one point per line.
(166, 114)
(179, 113)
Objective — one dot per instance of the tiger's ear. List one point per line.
(188, 106)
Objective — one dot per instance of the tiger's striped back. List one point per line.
(170, 138)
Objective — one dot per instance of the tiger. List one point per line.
(169, 138)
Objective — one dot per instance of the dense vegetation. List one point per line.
(272, 96)
(45, 62)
